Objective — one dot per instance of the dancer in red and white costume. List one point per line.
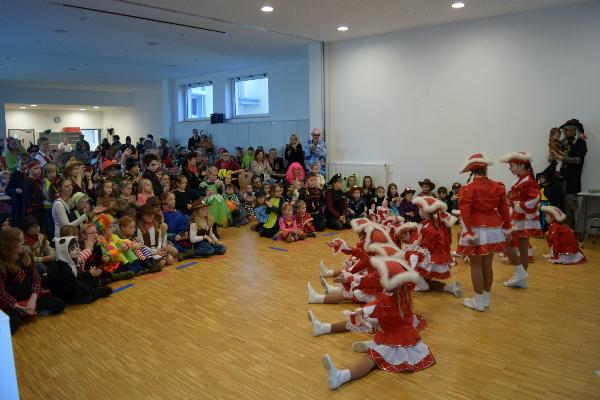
(524, 199)
(360, 281)
(564, 247)
(433, 235)
(485, 224)
(396, 346)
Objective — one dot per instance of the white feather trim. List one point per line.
(369, 231)
(481, 160)
(436, 206)
(525, 156)
(390, 283)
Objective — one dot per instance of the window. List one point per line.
(251, 95)
(199, 101)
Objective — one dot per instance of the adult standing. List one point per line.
(82, 149)
(65, 146)
(194, 141)
(43, 154)
(575, 149)
(316, 150)
(12, 152)
(293, 151)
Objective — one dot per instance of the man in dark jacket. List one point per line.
(194, 141)
(575, 149)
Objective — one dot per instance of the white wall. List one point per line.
(40, 120)
(141, 112)
(288, 101)
(424, 99)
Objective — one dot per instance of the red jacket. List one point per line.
(524, 198)
(482, 203)
(435, 240)
(561, 239)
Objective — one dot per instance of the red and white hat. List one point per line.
(556, 213)
(448, 219)
(407, 227)
(430, 205)
(339, 245)
(376, 234)
(360, 224)
(520, 157)
(475, 161)
(456, 213)
(416, 255)
(394, 272)
(385, 249)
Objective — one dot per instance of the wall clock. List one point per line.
(57, 119)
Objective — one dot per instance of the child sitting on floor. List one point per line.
(270, 227)
(249, 202)
(238, 213)
(260, 211)
(37, 244)
(304, 220)
(149, 233)
(202, 235)
(564, 247)
(119, 250)
(178, 225)
(145, 191)
(288, 228)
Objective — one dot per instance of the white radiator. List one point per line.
(379, 172)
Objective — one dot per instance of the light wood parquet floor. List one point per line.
(236, 328)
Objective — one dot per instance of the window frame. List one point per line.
(234, 114)
(186, 110)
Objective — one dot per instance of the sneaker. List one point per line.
(456, 290)
(360, 347)
(517, 281)
(470, 303)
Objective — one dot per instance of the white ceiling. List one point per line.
(61, 107)
(102, 51)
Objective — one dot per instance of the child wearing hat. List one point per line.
(396, 346)
(408, 210)
(37, 244)
(524, 200)
(150, 233)
(357, 206)
(119, 250)
(201, 234)
(271, 227)
(336, 206)
(312, 195)
(485, 223)
(434, 237)
(564, 247)
(426, 188)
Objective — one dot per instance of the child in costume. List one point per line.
(524, 199)
(368, 190)
(150, 261)
(249, 202)
(32, 190)
(37, 244)
(271, 227)
(178, 225)
(152, 164)
(63, 275)
(183, 197)
(201, 235)
(396, 345)
(315, 168)
(217, 207)
(313, 196)
(393, 198)
(442, 195)
(551, 194)
(304, 220)
(408, 210)
(378, 200)
(564, 247)
(248, 158)
(149, 233)
(106, 197)
(295, 172)
(555, 150)
(126, 202)
(238, 212)
(426, 188)
(485, 222)
(433, 236)
(119, 250)
(289, 230)
(260, 211)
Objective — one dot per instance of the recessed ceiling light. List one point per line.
(152, 43)
(82, 109)
(60, 31)
(95, 107)
(22, 108)
(33, 105)
(343, 28)
(458, 4)
(266, 9)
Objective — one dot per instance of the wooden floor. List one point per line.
(236, 328)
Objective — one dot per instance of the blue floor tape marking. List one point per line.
(330, 234)
(182, 266)
(277, 248)
(120, 289)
